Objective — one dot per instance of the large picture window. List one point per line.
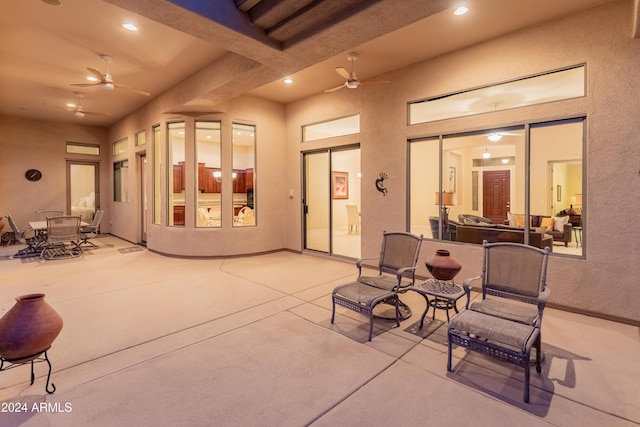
(520, 184)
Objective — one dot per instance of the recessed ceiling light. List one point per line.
(92, 78)
(495, 137)
(71, 105)
(288, 81)
(461, 10)
(129, 26)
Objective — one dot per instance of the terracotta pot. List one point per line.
(28, 329)
(443, 266)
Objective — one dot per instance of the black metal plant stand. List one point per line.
(43, 358)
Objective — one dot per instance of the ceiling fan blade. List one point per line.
(343, 73)
(373, 82)
(96, 114)
(98, 74)
(336, 88)
(86, 84)
(132, 89)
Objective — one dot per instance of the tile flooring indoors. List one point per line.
(150, 340)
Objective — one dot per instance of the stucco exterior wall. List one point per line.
(31, 144)
(604, 281)
(188, 240)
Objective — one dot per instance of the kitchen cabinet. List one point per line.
(178, 177)
(178, 215)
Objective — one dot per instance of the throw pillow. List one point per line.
(520, 220)
(559, 222)
(547, 222)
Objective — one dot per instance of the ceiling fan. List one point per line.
(106, 80)
(352, 81)
(79, 112)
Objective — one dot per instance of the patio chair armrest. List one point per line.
(401, 272)
(542, 302)
(359, 263)
(466, 285)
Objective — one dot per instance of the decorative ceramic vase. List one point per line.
(443, 266)
(28, 329)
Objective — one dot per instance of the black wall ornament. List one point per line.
(380, 183)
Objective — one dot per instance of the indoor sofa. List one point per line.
(492, 233)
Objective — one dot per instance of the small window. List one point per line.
(331, 128)
(120, 146)
(83, 148)
(140, 138)
(121, 181)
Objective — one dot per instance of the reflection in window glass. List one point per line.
(485, 196)
(332, 128)
(176, 173)
(423, 187)
(553, 86)
(157, 170)
(556, 159)
(208, 203)
(244, 175)
(121, 181)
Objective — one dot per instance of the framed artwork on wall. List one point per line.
(340, 185)
(452, 179)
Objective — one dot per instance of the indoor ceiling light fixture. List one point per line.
(92, 78)
(486, 154)
(288, 80)
(494, 137)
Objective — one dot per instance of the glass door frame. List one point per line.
(329, 152)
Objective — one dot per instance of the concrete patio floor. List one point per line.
(150, 340)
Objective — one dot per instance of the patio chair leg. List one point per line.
(449, 357)
(527, 376)
(370, 325)
(333, 311)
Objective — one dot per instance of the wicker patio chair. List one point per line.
(495, 326)
(396, 266)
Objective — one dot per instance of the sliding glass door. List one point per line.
(331, 202)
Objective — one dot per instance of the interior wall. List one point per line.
(31, 144)
(601, 38)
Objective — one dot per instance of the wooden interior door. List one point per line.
(495, 195)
